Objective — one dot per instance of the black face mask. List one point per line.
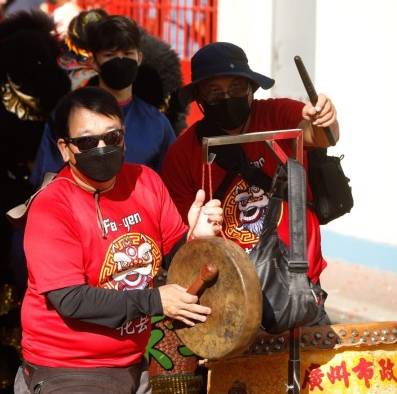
(119, 72)
(228, 114)
(102, 163)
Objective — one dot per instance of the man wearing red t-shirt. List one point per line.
(95, 238)
(223, 86)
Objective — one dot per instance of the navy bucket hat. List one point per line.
(220, 58)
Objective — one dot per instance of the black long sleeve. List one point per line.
(167, 259)
(106, 307)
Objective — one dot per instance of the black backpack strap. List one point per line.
(273, 209)
(297, 217)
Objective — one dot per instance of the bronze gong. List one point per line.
(234, 296)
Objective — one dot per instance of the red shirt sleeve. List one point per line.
(52, 247)
(276, 114)
(314, 256)
(180, 174)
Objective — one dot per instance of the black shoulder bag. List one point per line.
(290, 299)
(332, 194)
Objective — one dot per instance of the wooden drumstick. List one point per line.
(208, 272)
(311, 92)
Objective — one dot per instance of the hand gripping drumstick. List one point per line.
(311, 92)
(208, 272)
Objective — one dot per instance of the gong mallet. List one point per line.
(311, 92)
(207, 274)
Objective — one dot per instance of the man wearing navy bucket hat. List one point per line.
(223, 86)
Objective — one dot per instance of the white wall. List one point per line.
(294, 33)
(350, 49)
(356, 65)
(248, 24)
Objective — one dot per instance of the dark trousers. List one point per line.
(31, 379)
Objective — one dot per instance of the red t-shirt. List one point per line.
(64, 247)
(243, 204)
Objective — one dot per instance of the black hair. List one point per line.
(91, 98)
(113, 32)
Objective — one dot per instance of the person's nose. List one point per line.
(101, 143)
(120, 54)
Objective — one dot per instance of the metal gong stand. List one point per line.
(270, 138)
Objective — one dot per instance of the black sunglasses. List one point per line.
(214, 95)
(112, 137)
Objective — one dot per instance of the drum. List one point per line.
(353, 358)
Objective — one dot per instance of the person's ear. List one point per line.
(140, 58)
(250, 94)
(63, 149)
